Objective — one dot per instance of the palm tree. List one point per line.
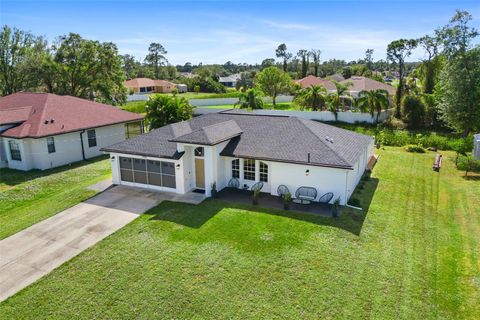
(314, 97)
(341, 94)
(373, 101)
(249, 99)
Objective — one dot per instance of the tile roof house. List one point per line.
(42, 130)
(367, 84)
(311, 80)
(147, 85)
(245, 147)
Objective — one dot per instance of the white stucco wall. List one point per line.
(68, 148)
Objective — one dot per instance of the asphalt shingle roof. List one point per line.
(275, 138)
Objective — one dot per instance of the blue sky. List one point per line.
(239, 31)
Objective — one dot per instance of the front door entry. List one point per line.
(199, 173)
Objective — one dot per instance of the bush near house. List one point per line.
(414, 148)
(468, 164)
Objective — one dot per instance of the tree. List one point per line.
(163, 110)
(272, 82)
(130, 66)
(430, 66)
(267, 63)
(347, 72)
(368, 58)
(303, 55)
(315, 54)
(459, 85)
(85, 68)
(281, 52)
(18, 53)
(337, 99)
(156, 57)
(313, 97)
(249, 100)
(246, 80)
(397, 51)
(373, 101)
(468, 164)
(413, 111)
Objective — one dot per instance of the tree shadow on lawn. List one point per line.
(11, 177)
(195, 216)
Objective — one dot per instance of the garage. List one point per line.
(149, 172)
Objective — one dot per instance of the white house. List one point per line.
(41, 131)
(234, 145)
(476, 146)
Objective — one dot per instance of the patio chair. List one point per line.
(306, 194)
(233, 183)
(326, 198)
(282, 189)
(258, 185)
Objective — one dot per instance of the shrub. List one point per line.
(468, 164)
(414, 148)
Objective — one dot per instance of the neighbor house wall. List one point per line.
(68, 148)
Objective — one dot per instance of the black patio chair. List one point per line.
(326, 198)
(258, 185)
(282, 189)
(306, 194)
(233, 183)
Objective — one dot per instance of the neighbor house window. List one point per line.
(50, 145)
(263, 172)
(15, 150)
(133, 129)
(249, 169)
(236, 168)
(92, 138)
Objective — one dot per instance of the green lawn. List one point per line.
(279, 106)
(413, 254)
(29, 197)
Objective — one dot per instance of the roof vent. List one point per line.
(52, 120)
(308, 156)
(46, 122)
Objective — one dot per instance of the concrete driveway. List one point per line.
(32, 253)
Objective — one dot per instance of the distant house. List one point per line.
(243, 150)
(229, 81)
(41, 130)
(476, 146)
(146, 85)
(366, 84)
(311, 80)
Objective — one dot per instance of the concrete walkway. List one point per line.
(32, 253)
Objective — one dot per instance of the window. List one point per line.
(157, 173)
(92, 138)
(199, 152)
(50, 145)
(263, 172)
(249, 169)
(15, 150)
(236, 168)
(133, 129)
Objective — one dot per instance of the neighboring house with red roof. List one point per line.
(146, 85)
(366, 84)
(42, 130)
(311, 80)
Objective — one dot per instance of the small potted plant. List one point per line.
(287, 198)
(214, 190)
(335, 206)
(256, 194)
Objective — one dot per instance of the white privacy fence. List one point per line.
(347, 116)
(224, 101)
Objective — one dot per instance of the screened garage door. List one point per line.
(156, 173)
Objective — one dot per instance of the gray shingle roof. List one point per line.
(212, 134)
(276, 138)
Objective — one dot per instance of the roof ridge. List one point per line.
(322, 140)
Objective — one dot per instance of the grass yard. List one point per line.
(29, 197)
(279, 106)
(413, 254)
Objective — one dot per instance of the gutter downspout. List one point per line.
(81, 142)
